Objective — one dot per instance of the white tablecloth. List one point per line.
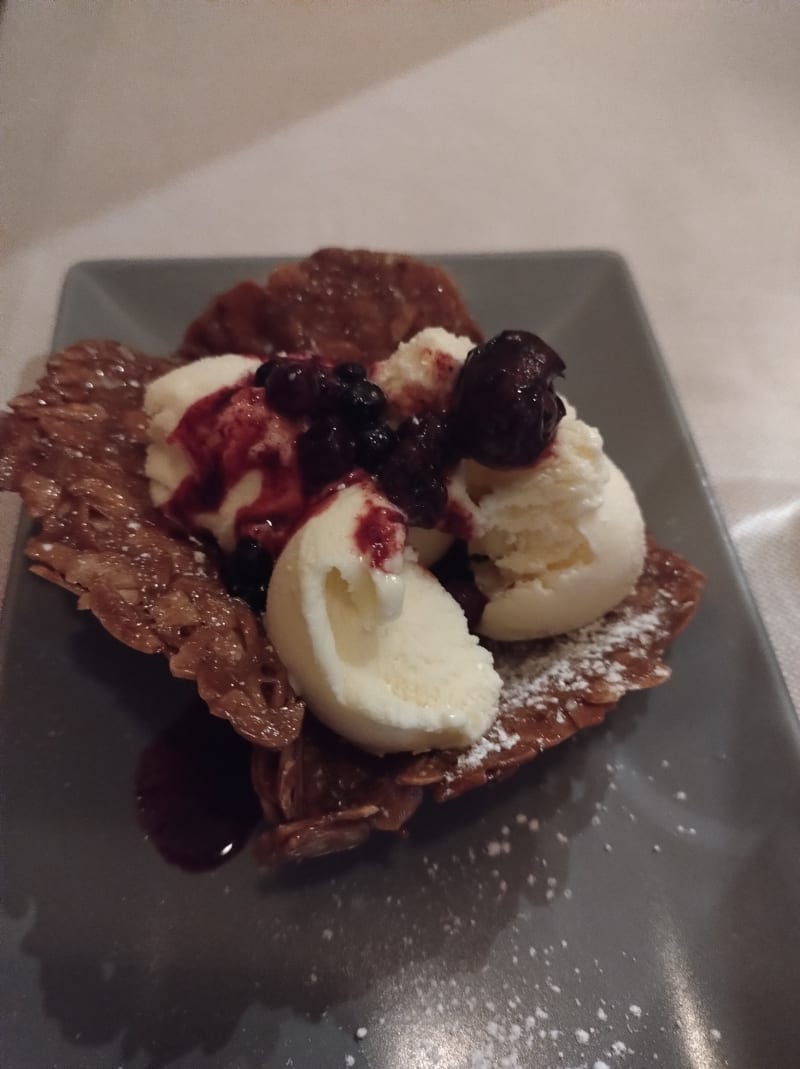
(667, 129)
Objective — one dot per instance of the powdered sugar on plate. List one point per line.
(534, 994)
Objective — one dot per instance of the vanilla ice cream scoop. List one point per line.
(419, 376)
(218, 454)
(167, 399)
(562, 542)
(378, 648)
(169, 463)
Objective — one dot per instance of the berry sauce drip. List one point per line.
(505, 411)
(194, 797)
(380, 534)
(228, 434)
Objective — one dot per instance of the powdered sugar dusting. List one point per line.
(552, 678)
(495, 740)
(579, 660)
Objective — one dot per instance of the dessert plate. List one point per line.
(629, 898)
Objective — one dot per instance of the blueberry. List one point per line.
(374, 445)
(251, 557)
(454, 572)
(362, 403)
(350, 372)
(421, 495)
(325, 452)
(263, 372)
(293, 388)
(246, 573)
(413, 477)
(330, 394)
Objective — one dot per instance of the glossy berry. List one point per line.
(329, 396)
(374, 446)
(505, 410)
(246, 573)
(413, 477)
(421, 495)
(350, 372)
(293, 388)
(263, 372)
(454, 572)
(325, 452)
(424, 440)
(553, 411)
(362, 403)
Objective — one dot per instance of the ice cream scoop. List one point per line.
(167, 399)
(220, 459)
(378, 648)
(562, 541)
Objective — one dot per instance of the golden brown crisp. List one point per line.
(74, 450)
(350, 305)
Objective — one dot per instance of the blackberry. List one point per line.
(505, 410)
(325, 452)
(246, 573)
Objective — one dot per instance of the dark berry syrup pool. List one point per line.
(194, 798)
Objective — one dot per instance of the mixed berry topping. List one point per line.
(350, 372)
(374, 446)
(414, 476)
(296, 388)
(362, 403)
(341, 411)
(505, 411)
(325, 453)
(308, 425)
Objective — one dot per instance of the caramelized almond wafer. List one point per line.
(79, 466)
(350, 304)
(329, 794)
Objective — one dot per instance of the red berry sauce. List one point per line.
(228, 434)
(380, 534)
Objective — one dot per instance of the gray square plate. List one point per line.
(630, 898)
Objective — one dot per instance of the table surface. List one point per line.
(669, 132)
